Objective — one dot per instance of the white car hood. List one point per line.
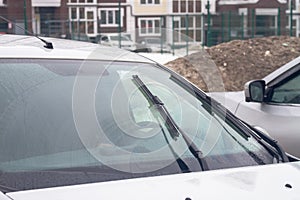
(279, 181)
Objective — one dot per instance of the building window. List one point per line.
(190, 6)
(91, 22)
(186, 6)
(175, 6)
(110, 17)
(149, 2)
(149, 26)
(82, 1)
(73, 13)
(83, 20)
(180, 33)
(81, 13)
(183, 6)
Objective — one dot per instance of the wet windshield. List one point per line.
(68, 122)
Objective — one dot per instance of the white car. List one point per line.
(115, 40)
(84, 121)
(273, 104)
(155, 45)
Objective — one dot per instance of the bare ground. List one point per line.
(230, 65)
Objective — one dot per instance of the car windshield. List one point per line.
(66, 122)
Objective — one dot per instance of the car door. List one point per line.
(279, 115)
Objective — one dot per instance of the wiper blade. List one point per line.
(173, 128)
(6, 189)
(156, 103)
(270, 141)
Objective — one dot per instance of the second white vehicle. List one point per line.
(272, 103)
(117, 40)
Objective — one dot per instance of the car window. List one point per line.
(104, 38)
(69, 122)
(288, 91)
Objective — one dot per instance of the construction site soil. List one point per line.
(228, 66)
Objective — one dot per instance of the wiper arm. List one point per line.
(270, 141)
(170, 124)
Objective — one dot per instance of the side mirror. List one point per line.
(255, 91)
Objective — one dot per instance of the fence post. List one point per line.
(78, 29)
(25, 17)
(252, 23)
(291, 18)
(72, 30)
(119, 24)
(203, 38)
(161, 34)
(187, 33)
(173, 32)
(278, 22)
(229, 26)
(222, 26)
(208, 23)
(242, 25)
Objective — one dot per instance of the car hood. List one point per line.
(278, 181)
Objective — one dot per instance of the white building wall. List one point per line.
(45, 3)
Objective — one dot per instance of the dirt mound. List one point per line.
(237, 61)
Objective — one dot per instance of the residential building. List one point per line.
(260, 17)
(49, 18)
(36, 16)
(187, 20)
(93, 17)
(149, 18)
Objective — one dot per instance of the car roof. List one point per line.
(274, 75)
(22, 46)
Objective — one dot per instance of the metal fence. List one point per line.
(206, 29)
(227, 26)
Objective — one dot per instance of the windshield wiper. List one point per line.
(173, 129)
(5, 189)
(260, 136)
